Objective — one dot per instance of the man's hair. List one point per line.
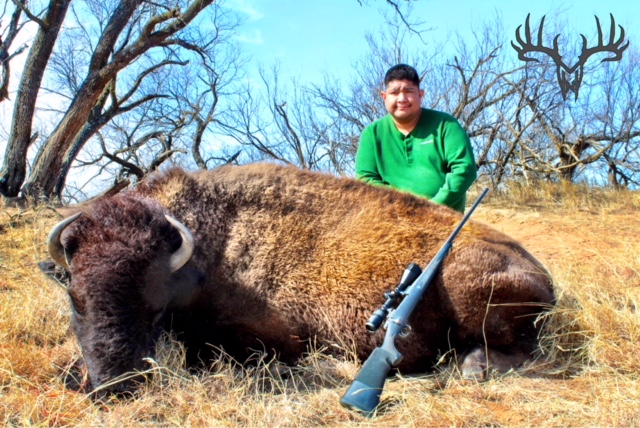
(402, 72)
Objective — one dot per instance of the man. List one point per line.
(414, 149)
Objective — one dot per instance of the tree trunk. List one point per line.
(48, 165)
(85, 134)
(103, 68)
(15, 160)
(197, 141)
(10, 34)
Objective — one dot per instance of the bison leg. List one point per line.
(243, 342)
(204, 335)
(480, 361)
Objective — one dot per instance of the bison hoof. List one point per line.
(480, 362)
(474, 365)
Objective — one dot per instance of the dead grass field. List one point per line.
(588, 374)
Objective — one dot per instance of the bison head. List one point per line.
(126, 261)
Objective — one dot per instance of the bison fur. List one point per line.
(283, 256)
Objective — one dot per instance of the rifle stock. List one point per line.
(364, 393)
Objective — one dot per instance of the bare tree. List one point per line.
(133, 104)
(403, 13)
(108, 106)
(133, 29)
(131, 145)
(605, 128)
(622, 125)
(14, 167)
(177, 95)
(7, 38)
(586, 138)
(88, 74)
(201, 92)
(277, 122)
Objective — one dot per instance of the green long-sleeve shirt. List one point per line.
(435, 160)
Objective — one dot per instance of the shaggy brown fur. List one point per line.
(283, 256)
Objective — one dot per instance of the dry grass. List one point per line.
(588, 374)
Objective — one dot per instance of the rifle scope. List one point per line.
(409, 275)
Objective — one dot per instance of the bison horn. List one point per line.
(182, 254)
(56, 250)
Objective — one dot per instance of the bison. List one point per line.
(266, 257)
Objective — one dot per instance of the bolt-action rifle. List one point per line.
(364, 393)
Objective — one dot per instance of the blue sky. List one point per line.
(307, 36)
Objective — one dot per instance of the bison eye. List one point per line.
(70, 248)
(77, 304)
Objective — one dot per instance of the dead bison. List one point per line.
(265, 257)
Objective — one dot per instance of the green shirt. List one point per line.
(434, 161)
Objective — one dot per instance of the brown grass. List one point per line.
(588, 373)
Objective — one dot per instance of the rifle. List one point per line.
(364, 393)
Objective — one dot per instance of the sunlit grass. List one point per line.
(588, 373)
(551, 196)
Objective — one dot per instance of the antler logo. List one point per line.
(564, 72)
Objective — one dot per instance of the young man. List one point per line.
(413, 149)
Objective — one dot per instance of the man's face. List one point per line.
(403, 99)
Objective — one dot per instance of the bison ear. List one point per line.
(58, 274)
(186, 283)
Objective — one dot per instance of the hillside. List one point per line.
(588, 375)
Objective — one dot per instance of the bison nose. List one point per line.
(118, 390)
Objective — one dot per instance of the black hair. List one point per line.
(402, 72)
